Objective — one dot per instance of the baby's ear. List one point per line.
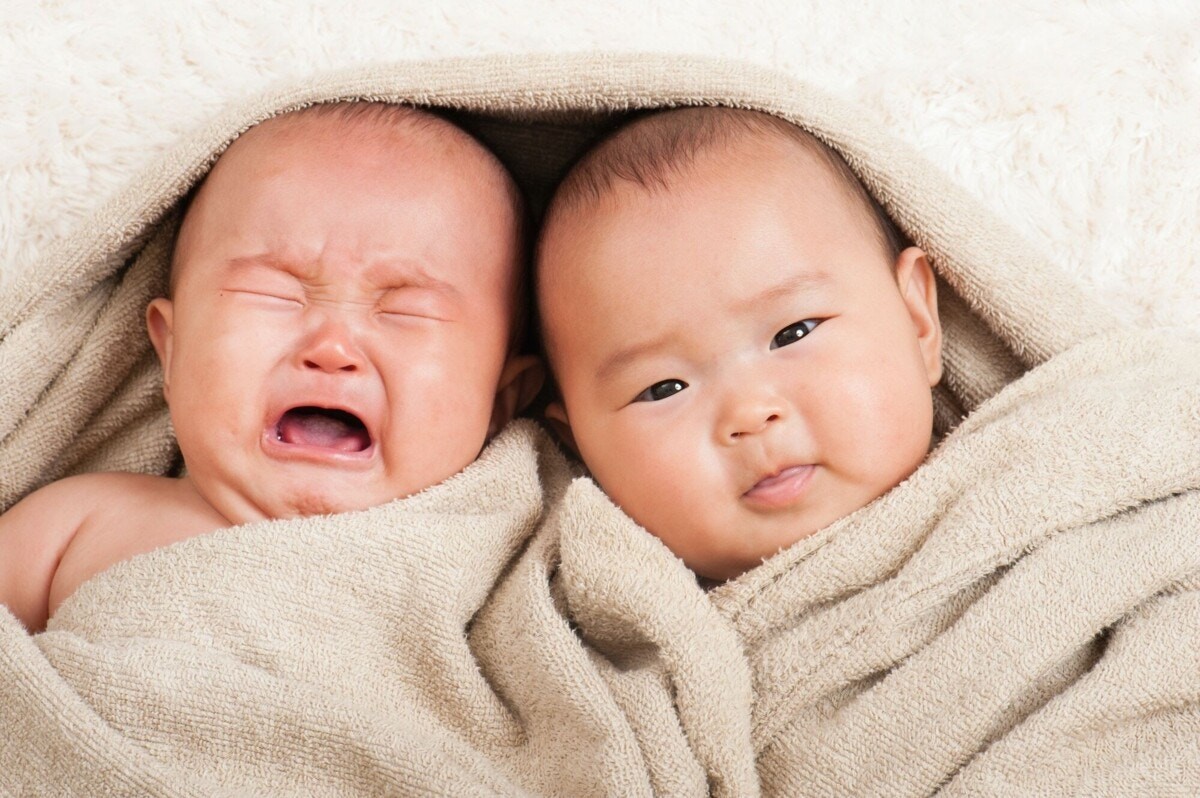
(160, 320)
(520, 382)
(556, 417)
(918, 288)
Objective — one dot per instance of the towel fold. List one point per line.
(1020, 616)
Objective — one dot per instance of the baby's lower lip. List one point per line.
(782, 489)
(303, 453)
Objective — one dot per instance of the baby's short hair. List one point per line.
(656, 148)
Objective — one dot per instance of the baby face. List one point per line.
(740, 363)
(340, 322)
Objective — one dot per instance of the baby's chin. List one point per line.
(302, 501)
(720, 566)
(739, 557)
(328, 500)
(333, 493)
(306, 505)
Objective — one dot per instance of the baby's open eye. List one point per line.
(793, 332)
(660, 390)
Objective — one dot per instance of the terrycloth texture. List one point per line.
(80, 390)
(1020, 617)
(1032, 588)
(1053, 533)
(328, 656)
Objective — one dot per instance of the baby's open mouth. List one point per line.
(324, 428)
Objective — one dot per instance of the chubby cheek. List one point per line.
(219, 375)
(439, 403)
(661, 474)
(876, 425)
(222, 344)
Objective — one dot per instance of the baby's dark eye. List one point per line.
(660, 390)
(793, 332)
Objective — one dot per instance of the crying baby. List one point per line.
(340, 331)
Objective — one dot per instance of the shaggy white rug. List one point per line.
(1076, 121)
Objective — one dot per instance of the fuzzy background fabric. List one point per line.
(1077, 122)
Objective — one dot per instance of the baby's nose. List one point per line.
(332, 349)
(749, 415)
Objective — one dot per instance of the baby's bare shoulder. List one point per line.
(69, 503)
(87, 492)
(108, 484)
(36, 532)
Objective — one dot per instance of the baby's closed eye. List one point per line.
(413, 302)
(278, 298)
(281, 291)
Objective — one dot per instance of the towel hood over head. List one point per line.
(82, 388)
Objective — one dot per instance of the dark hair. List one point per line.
(658, 147)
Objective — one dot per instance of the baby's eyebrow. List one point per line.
(394, 276)
(802, 283)
(623, 357)
(268, 260)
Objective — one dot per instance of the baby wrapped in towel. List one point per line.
(1016, 616)
(340, 331)
(745, 350)
(744, 345)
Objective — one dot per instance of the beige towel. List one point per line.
(1020, 616)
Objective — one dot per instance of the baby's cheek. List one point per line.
(633, 462)
(676, 478)
(908, 445)
(620, 457)
(884, 418)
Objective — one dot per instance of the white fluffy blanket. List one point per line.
(1077, 122)
(1019, 616)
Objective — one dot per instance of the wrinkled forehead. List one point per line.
(419, 153)
(533, 149)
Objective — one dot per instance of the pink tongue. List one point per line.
(312, 428)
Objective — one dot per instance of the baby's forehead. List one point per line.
(657, 164)
(358, 129)
(758, 170)
(417, 148)
(640, 232)
(800, 168)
